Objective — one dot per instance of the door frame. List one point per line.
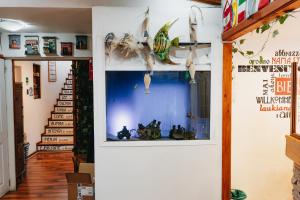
(5, 142)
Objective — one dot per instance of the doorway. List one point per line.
(4, 167)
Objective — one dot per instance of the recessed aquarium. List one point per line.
(169, 107)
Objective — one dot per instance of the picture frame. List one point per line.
(32, 45)
(66, 48)
(50, 47)
(81, 42)
(52, 76)
(14, 41)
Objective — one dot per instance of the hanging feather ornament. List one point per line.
(147, 81)
(129, 46)
(191, 67)
(111, 43)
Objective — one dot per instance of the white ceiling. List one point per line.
(51, 20)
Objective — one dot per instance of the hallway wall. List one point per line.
(259, 164)
(37, 111)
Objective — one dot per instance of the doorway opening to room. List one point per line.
(53, 110)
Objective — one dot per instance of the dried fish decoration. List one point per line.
(111, 43)
(147, 81)
(129, 46)
(193, 22)
(145, 25)
(191, 67)
(149, 56)
(150, 60)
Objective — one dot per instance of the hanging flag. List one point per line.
(242, 10)
(227, 16)
(263, 3)
(234, 5)
(252, 7)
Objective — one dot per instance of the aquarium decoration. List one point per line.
(124, 133)
(150, 132)
(180, 133)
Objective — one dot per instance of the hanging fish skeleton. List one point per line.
(162, 44)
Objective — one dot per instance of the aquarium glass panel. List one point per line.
(173, 109)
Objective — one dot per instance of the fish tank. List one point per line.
(172, 108)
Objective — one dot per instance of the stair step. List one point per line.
(69, 81)
(65, 97)
(54, 147)
(67, 91)
(68, 87)
(58, 131)
(70, 76)
(62, 123)
(59, 109)
(61, 139)
(62, 116)
(64, 103)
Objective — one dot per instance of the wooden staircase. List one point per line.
(59, 133)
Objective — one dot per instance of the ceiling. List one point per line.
(51, 20)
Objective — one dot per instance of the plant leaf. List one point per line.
(242, 41)
(234, 50)
(257, 30)
(249, 53)
(242, 53)
(265, 27)
(275, 33)
(283, 18)
(252, 62)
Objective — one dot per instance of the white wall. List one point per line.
(37, 111)
(61, 37)
(160, 172)
(259, 164)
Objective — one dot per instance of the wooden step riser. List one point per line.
(60, 123)
(63, 109)
(68, 87)
(62, 116)
(64, 103)
(57, 139)
(55, 148)
(67, 91)
(70, 82)
(59, 131)
(65, 97)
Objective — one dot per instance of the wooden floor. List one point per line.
(45, 178)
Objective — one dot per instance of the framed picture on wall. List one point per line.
(14, 41)
(52, 71)
(81, 42)
(32, 45)
(49, 45)
(66, 48)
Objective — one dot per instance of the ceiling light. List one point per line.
(11, 24)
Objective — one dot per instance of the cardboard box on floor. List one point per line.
(88, 168)
(80, 186)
